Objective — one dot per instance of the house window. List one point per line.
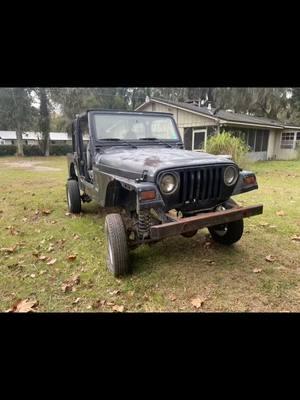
(287, 140)
(12, 142)
(199, 139)
(53, 142)
(298, 139)
(258, 141)
(251, 139)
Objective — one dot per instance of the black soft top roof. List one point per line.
(110, 111)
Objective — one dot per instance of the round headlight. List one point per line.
(168, 183)
(230, 176)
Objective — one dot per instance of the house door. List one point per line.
(199, 139)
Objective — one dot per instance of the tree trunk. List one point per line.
(20, 151)
(47, 146)
(44, 120)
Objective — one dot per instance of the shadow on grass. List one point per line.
(185, 253)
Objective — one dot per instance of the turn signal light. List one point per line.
(250, 180)
(148, 195)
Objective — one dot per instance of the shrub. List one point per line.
(227, 144)
(60, 149)
(32, 150)
(8, 150)
(35, 150)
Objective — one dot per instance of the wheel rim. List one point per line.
(222, 230)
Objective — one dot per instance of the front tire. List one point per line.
(117, 249)
(228, 233)
(73, 196)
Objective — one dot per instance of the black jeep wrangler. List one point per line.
(136, 163)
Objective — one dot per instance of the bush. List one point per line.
(32, 150)
(227, 144)
(35, 150)
(8, 150)
(60, 149)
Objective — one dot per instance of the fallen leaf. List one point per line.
(24, 219)
(280, 213)
(263, 223)
(172, 297)
(114, 292)
(257, 270)
(98, 303)
(24, 306)
(118, 308)
(88, 307)
(13, 231)
(46, 211)
(52, 261)
(32, 275)
(72, 257)
(76, 301)
(76, 279)
(270, 258)
(8, 249)
(197, 301)
(67, 213)
(43, 258)
(206, 244)
(42, 272)
(53, 222)
(296, 238)
(76, 237)
(68, 285)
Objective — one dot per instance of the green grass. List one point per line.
(179, 267)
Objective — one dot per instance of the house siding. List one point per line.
(187, 120)
(183, 119)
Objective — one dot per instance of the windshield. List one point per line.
(134, 127)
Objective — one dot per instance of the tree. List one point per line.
(44, 120)
(17, 112)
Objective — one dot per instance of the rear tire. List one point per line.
(228, 233)
(117, 249)
(73, 196)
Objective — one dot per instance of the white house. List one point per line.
(268, 139)
(33, 138)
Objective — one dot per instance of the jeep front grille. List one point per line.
(200, 188)
(201, 184)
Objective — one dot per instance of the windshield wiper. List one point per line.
(112, 139)
(156, 140)
(119, 140)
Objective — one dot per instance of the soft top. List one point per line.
(110, 111)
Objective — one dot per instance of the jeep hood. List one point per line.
(131, 163)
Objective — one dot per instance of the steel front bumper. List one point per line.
(204, 220)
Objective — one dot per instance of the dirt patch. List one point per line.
(31, 165)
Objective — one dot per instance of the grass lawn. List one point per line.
(167, 276)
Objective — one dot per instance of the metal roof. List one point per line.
(223, 115)
(33, 135)
(8, 135)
